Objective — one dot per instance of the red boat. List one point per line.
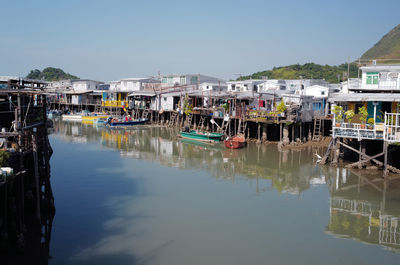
(237, 141)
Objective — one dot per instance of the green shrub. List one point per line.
(281, 107)
(349, 115)
(4, 155)
(363, 114)
(338, 111)
(371, 121)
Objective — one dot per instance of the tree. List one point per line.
(306, 71)
(50, 74)
(34, 74)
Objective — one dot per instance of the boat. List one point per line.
(71, 117)
(202, 136)
(235, 142)
(51, 114)
(100, 121)
(116, 123)
(90, 118)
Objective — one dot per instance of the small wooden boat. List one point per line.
(202, 136)
(115, 123)
(235, 142)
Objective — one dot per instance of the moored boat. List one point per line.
(116, 123)
(90, 118)
(71, 117)
(235, 142)
(202, 136)
(100, 121)
(51, 114)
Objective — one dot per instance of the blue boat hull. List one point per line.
(128, 123)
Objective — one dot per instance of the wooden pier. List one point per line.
(27, 202)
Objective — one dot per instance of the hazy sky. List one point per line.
(108, 40)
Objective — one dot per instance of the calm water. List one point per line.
(145, 197)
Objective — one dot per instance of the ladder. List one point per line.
(173, 119)
(224, 127)
(189, 120)
(317, 129)
(242, 127)
(145, 114)
(201, 123)
(136, 111)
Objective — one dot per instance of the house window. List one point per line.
(372, 78)
(193, 80)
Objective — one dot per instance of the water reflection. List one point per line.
(183, 217)
(365, 207)
(289, 171)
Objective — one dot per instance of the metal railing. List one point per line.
(382, 85)
(392, 127)
(357, 130)
(388, 131)
(389, 230)
(114, 103)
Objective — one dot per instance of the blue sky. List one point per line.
(109, 40)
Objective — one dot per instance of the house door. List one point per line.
(386, 107)
(175, 102)
(370, 109)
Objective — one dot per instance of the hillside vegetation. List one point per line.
(332, 74)
(50, 74)
(387, 48)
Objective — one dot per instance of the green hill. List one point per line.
(387, 48)
(50, 74)
(332, 74)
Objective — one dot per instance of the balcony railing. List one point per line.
(389, 130)
(392, 127)
(114, 103)
(358, 131)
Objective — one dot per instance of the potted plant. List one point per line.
(281, 108)
(338, 111)
(363, 115)
(371, 122)
(349, 115)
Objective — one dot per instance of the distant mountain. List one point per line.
(387, 48)
(50, 74)
(332, 74)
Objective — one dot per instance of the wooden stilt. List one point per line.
(37, 180)
(293, 126)
(385, 158)
(335, 152)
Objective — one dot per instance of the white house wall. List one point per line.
(129, 85)
(167, 103)
(316, 91)
(85, 85)
(76, 99)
